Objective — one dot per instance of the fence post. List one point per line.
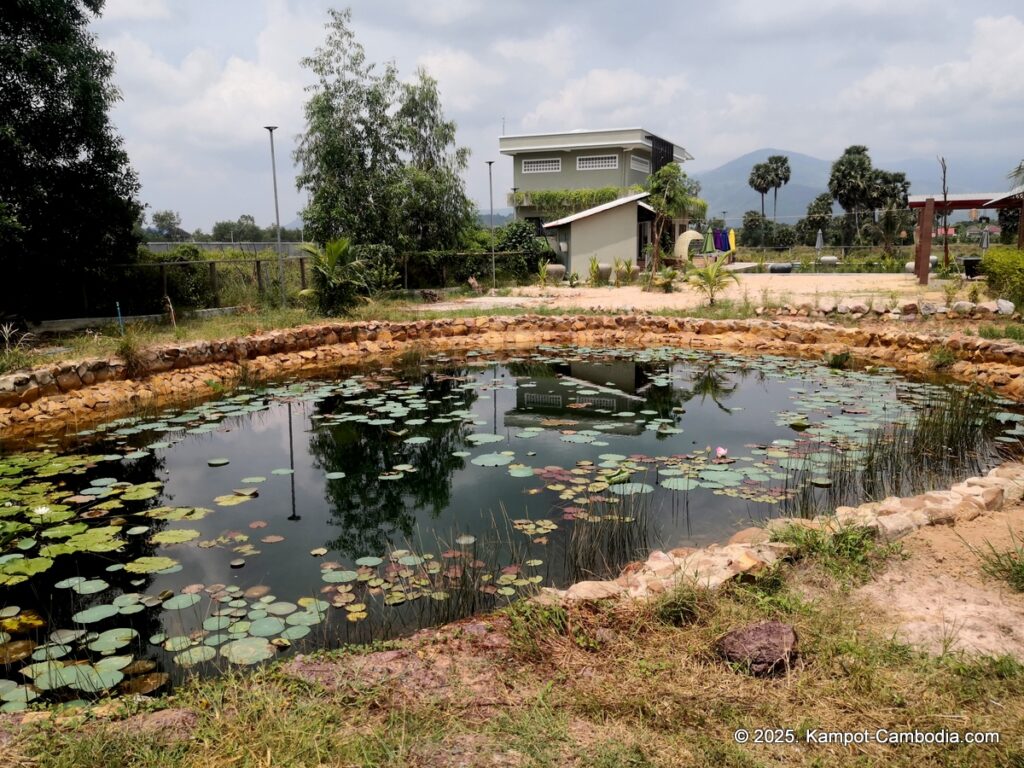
(163, 279)
(302, 271)
(213, 283)
(259, 278)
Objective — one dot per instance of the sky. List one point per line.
(915, 78)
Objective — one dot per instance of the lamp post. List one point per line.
(277, 214)
(490, 185)
(515, 211)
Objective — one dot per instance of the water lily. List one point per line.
(721, 452)
(41, 510)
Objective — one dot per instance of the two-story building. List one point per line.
(583, 187)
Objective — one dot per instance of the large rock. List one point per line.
(987, 308)
(767, 648)
(858, 308)
(962, 307)
(1005, 307)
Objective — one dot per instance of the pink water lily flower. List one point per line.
(721, 452)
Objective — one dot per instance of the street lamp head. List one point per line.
(490, 162)
(270, 128)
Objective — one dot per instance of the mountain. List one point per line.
(725, 188)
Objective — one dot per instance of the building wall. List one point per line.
(610, 235)
(570, 178)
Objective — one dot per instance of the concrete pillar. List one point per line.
(923, 261)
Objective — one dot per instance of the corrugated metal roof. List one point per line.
(600, 209)
(1012, 193)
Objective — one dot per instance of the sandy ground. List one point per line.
(758, 288)
(938, 598)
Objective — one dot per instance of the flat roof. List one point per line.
(965, 200)
(586, 138)
(599, 209)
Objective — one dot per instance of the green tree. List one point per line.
(819, 217)
(1016, 176)
(378, 158)
(168, 225)
(67, 193)
(850, 181)
(778, 174)
(755, 229)
(673, 196)
(760, 181)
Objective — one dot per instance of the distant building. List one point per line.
(612, 164)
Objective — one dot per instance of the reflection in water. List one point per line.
(371, 507)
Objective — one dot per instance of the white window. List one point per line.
(597, 162)
(641, 164)
(547, 165)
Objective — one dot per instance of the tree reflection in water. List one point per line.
(371, 511)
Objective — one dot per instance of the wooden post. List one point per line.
(213, 283)
(259, 278)
(1020, 228)
(302, 271)
(925, 246)
(163, 279)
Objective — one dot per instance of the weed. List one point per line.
(15, 353)
(941, 357)
(952, 289)
(686, 604)
(974, 293)
(594, 272)
(850, 553)
(532, 626)
(129, 349)
(839, 361)
(542, 273)
(1005, 565)
(1013, 331)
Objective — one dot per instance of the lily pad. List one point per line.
(247, 651)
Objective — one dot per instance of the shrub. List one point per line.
(594, 272)
(1004, 270)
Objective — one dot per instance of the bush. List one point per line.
(1004, 270)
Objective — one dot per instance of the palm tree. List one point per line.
(760, 181)
(778, 166)
(851, 179)
(673, 196)
(711, 279)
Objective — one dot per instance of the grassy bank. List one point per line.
(600, 685)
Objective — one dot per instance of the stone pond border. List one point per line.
(751, 551)
(74, 394)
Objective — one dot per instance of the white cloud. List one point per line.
(988, 74)
(552, 51)
(462, 79)
(445, 12)
(135, 10)
(606, 98)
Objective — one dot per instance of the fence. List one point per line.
(851, 258)
(288, 247)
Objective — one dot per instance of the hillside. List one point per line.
(725, 187)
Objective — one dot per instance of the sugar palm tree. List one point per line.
(760, 181)
(779, 174)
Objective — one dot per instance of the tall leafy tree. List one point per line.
(850, 181)
(760, 181)
(779, 175)
(673, 196)
(378, 158)
(67, 192)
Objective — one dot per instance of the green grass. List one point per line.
(1013, 331)
(1004, 565)
(849, 554)
(941, 357)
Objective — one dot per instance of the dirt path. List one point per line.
(937, 598)
(759, 289)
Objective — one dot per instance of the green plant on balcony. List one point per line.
(564, 202)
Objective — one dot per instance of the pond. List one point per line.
(312, 513)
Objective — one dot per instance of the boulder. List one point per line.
(858, 308)
(962, 307)
(986, 308)
(1004, 307)
(843, 308)
(766, 648)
